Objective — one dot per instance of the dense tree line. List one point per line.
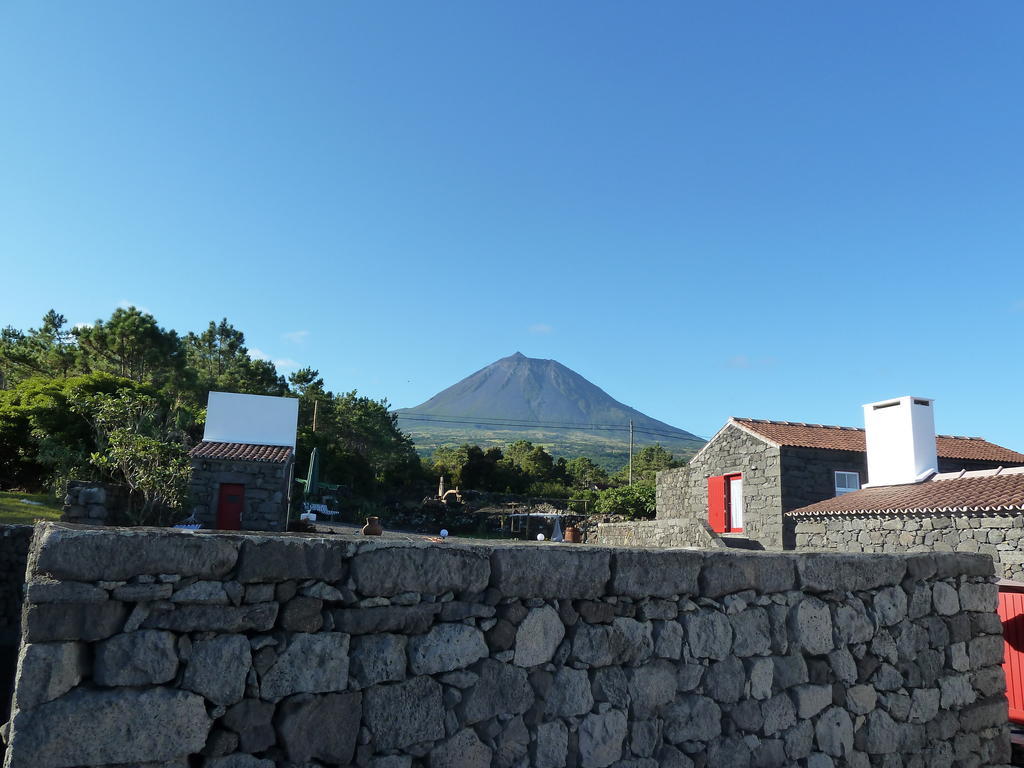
(525, 468)
(122, 400)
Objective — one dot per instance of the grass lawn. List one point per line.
(14, 510)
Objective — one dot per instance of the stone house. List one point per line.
(242, 470)
(980, 511)
(241, 486)
(753, 472)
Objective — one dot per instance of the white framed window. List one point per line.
(846, 482)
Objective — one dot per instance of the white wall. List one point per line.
(256, 419)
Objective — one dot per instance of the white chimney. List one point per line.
(900, 437)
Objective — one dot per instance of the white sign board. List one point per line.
(255, 419)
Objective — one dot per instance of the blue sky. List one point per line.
(779, 210)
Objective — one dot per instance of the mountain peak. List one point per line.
(533, 393)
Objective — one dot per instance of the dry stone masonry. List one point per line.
(171, 649)
(998, 535)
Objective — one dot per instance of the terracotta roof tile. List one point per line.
(991, 491)
(852, 439)
(277, 454)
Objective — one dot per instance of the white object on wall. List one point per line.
(254, 419)
(900, 436)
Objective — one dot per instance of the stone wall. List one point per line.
(224, 651)
(680, 532)
(266, 491)
(14, 545)
(997, 535)
(94, 503)
(683, 493)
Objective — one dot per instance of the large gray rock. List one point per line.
(692, 718)
(321, 728)
(727, 572)
(251, 720)
(550, 571)
(538, 636)
(751, 632)
(890, 605)
(549, 751)
(311, 664)
(653, 685)
(849, 573)
(979, 597)
(258, 617)
(429, 569)
(273, 558)
(463, 750)
(668, 639)
(709, 634)
(411, 620)
(811, 699)
(446, 647)
(49, 591)
(146, 657)
(97, 554)
(570, 693)
(724, 681)
(503, 689)
(400, 714)
(834, 732)
(624, 641)
(302, 614)
(654, 573)
(48, 670)
(202, 593)
(217, 668)
(811, 626)
(73, 621)
(87, 727)
(377, 659)
(601, 737)
(945, 599)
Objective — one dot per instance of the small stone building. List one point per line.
(241, 485)
(754, 471)
(980, 511)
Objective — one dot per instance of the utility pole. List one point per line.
(630, 451)
(316, 404)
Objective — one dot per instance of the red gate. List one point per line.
(1011, 611)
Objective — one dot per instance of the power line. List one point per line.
(487, 421)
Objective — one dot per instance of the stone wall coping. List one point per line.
(390, 566)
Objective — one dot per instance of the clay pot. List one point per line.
(572, 535)
(372, 527)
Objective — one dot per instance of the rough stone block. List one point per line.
(279, 558)
(600, 738)
(73, 621)
(310, 664)
(251, 720)
(146, 657)
(217, 668)
(463, 750)
(725, 573)
(391, 570)
(550, 571)
(258, 617)
(849, 573)
(406, 713)
(692, 718)
(95, 554)
(624, 641)
(86, 727)
(549, 751)
(446, 647)
(503, 689)
(538, 636)
(41, 591)
(377, 659)
(709, 634)
(811, 626)
(413, 619)
(47, 671)
(654, 573)
(321, 728)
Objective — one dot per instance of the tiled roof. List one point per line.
(277, 454)
(852, 439)
(982, 491)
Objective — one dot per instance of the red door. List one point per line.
(229, 506)
(717, 504)
(1011, 611)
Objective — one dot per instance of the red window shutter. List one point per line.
(716, 503)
